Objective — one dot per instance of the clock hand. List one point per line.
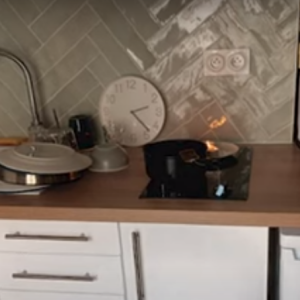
(139, 109)
(140, 121)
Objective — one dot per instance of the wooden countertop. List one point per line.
(274, 198)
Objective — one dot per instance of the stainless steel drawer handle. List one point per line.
(26, 275)
(20, 236)
(137, 253)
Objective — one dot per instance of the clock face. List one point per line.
(132, 111)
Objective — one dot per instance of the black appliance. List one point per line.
(174, 173)
(84, 130)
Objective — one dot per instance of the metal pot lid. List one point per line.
(44, 158)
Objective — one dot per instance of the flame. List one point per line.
(218, 123)
(211, 147)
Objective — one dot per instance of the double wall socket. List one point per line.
(234, 62)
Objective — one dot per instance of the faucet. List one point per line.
(36, 121)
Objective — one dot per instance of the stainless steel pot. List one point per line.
(36, 164)
(31, 179)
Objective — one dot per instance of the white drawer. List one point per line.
(59, 237)
(69, 274)
(4, 295)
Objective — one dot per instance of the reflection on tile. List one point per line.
(219, 123)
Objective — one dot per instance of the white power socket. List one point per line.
(224, 62)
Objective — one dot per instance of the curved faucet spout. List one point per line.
(29, 83)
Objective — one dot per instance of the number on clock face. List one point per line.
(135, 108)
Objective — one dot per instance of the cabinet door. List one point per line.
(13, 295)
(195, 262)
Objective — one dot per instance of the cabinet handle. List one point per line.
(20, 236)
(25, 275)
(137, 253)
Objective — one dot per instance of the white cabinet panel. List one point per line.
(197, 262)
(4, 295)
(59, 273)
(86, 238)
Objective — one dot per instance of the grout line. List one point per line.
(130, 23)
(60, 27)
(66, 53)
(43, 75)
(15, 95)
(66, 84)
(115, 38)
(231, 122)
(38, 8)
(94, 74)
(151, 14)
(22, 20)
(107, 60)
(12, 37)
(85, 98)
(280, 130)
(182, 124)
(13, 120)
(42, 12)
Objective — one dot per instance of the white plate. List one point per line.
(44, 158)
(7, 188)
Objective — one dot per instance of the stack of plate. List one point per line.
(32, 167)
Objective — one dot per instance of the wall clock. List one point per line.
(132, 111)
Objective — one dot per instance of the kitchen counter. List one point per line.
(274, 198)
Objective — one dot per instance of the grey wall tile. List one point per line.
(13, 108)
(43, 4)
(279, 118)
(53, 18)
(95, 95)
(8, 125)
(13, 78)
(284, 136)
(27, 10)
(220, 124)
(103, 70)
(12, 22)
(79, 57)
(165, 10)
(70, 95)
(149, 3)
(83, 107)
(125, 33)
(82, 53)
(185, 52)
(113, 51)
(185, 23)
(195, 128)
(68, 36)
(139, 17)
(7, 41)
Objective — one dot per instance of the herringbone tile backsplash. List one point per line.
(77, 47)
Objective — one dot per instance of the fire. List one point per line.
(218, 123)
(211, 147)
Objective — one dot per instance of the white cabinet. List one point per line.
(66, 274)
(5, 295)
(87, 238)
(194, 262)
(60, 261)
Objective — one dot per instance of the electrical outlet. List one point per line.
(224, 62)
